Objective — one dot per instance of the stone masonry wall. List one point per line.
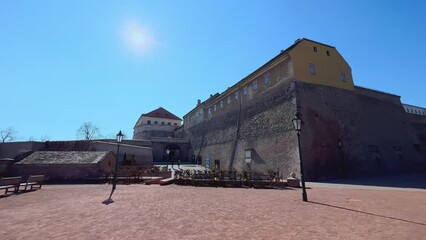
(263, 124)
(377, 137)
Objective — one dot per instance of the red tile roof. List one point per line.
(161, 113)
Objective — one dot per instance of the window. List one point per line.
(315, 49)
(254, 85)
(155, 122)
(237, 95)
(312, 69)
(342, 76)
(148, 122)
(328, 53)
(169, 123)
(221, 104)
(210, 111)
(266, 79)
(214, 108)
(175, 124)
(228, 99)
(245, 90)
(162, 123)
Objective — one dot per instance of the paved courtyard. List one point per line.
(178, 212)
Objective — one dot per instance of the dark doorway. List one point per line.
(217, 164)
(172, 154)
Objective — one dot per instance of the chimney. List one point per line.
(198, 102)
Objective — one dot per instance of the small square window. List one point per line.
(228, 100)
(155, 122)
(343, 76)
(169, 123)
(221, 104)
(315, 49)
(148, 122)
(245, 91)
(266, 79)
(237, 95)
(328, 53)
(162, 123)
(175, 124)
(312, 69)
(254, 85)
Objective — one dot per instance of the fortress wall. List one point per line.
(264, 125)
(376, 136)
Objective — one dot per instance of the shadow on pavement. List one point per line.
(417, 180)
(371, 214)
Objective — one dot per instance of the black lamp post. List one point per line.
(168, 158)
(114, 180)
(297, 122)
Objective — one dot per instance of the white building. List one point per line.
(157, 123)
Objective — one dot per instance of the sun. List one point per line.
(138, 39)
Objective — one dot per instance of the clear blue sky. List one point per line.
(63, 63)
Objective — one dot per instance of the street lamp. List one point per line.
(119, 137)
(168, 158)
(297, 122)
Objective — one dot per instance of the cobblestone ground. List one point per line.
(177, 212)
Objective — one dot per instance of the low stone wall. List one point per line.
(59, 172)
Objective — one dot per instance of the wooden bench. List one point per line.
(260, 180)
(33, 181)
(204, 180)
(230, 179)
(10, 183)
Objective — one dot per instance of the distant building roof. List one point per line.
(161, 113)
(64, 157)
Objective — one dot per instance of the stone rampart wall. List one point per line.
(263, 124)
(377, 137)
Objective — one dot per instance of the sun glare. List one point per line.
(138, 39)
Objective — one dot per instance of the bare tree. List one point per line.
(88, 131)
(7, 135)
(44, 138)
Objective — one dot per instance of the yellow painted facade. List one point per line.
(320, 64)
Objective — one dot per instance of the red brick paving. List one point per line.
(177, 212)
